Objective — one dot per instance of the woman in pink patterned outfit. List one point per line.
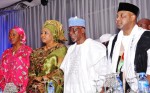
(15, 62)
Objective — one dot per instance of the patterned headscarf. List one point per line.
(21, 32)
(56, 29)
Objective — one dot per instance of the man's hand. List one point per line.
(102, 91)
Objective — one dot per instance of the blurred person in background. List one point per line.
(144, 23)
(104, 39)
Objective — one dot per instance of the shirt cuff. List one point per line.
(148, 63)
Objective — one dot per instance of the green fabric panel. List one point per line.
(61, 52)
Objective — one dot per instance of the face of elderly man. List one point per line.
(76, 33)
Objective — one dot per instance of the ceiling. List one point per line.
(7, 3)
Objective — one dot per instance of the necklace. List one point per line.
(50, 47)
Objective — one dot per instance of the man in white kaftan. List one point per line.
(85, 63)
(126, 42)
(130, 44)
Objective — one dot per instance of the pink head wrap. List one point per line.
(21, 32)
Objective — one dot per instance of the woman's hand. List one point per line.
(39, 79)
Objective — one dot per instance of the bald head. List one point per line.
(144, 23)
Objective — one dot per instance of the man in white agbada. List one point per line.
(85, 61)
(126, 57)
